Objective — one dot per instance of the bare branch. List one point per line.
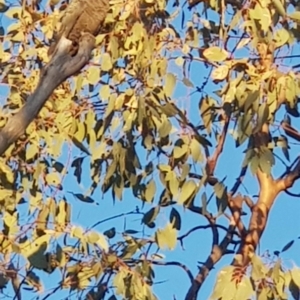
(290, 131)
(216, 253)
(212, 161)
(269, 190)
(174, 263)
(180, 238)
(239, 180)
(289, 179)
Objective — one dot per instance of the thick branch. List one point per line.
(269, 190)
(290, 178)
(235, 205)
(58, 70)
(216, 253)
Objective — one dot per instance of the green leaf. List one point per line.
(251, 98)
(38, 259)
(262, 116)
(244, 289)
(3, 7)
(110, 233)
(281, 37)
(92, 237)
(220, 73)
(202, 140)
(4, 280)
(187, 191)
(77, 232)
(206, 105)
(170, 84)
(105, 93)
(215, 54)
(106, 63)
(291, 92)
(262, 15)
(169, 109)
(173, 183)
(295, 273)
(225, 287)
(179, 152)
(165, 128)
(150, 215)
(295, 15)
(266, 160)
(282, 142)
(259, 270)
(254, 164)
(102, 243)
(93, 75)
(222, 197)
(31, 151)
(39, 244)
(84, 198)
(53, 179)
(195, 148)
(167, 237)
(175, 219)
(187, 82)
(119, 281)
(164, 168)
(80, 146)
(280, 8)
(42, 219)
(150, 191)
(245, 128)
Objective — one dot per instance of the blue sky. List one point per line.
(283, 224)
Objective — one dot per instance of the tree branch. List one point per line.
(61, 66)
(235, 205)
(289, 179)
(216, 253)
(269, 190)
(212, 161)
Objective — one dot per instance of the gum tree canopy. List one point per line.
(154, 169)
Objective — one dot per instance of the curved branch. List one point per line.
(239, 180)
(168, 263)
(216, 254)
(174, 263)
(290, 177)
(61, 66)
(180, 238)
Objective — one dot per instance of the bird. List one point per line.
(80, 16)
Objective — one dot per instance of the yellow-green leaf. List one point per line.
(215, 54)
(167, 237)
(170, 84)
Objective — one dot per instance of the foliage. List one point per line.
(119, 126)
